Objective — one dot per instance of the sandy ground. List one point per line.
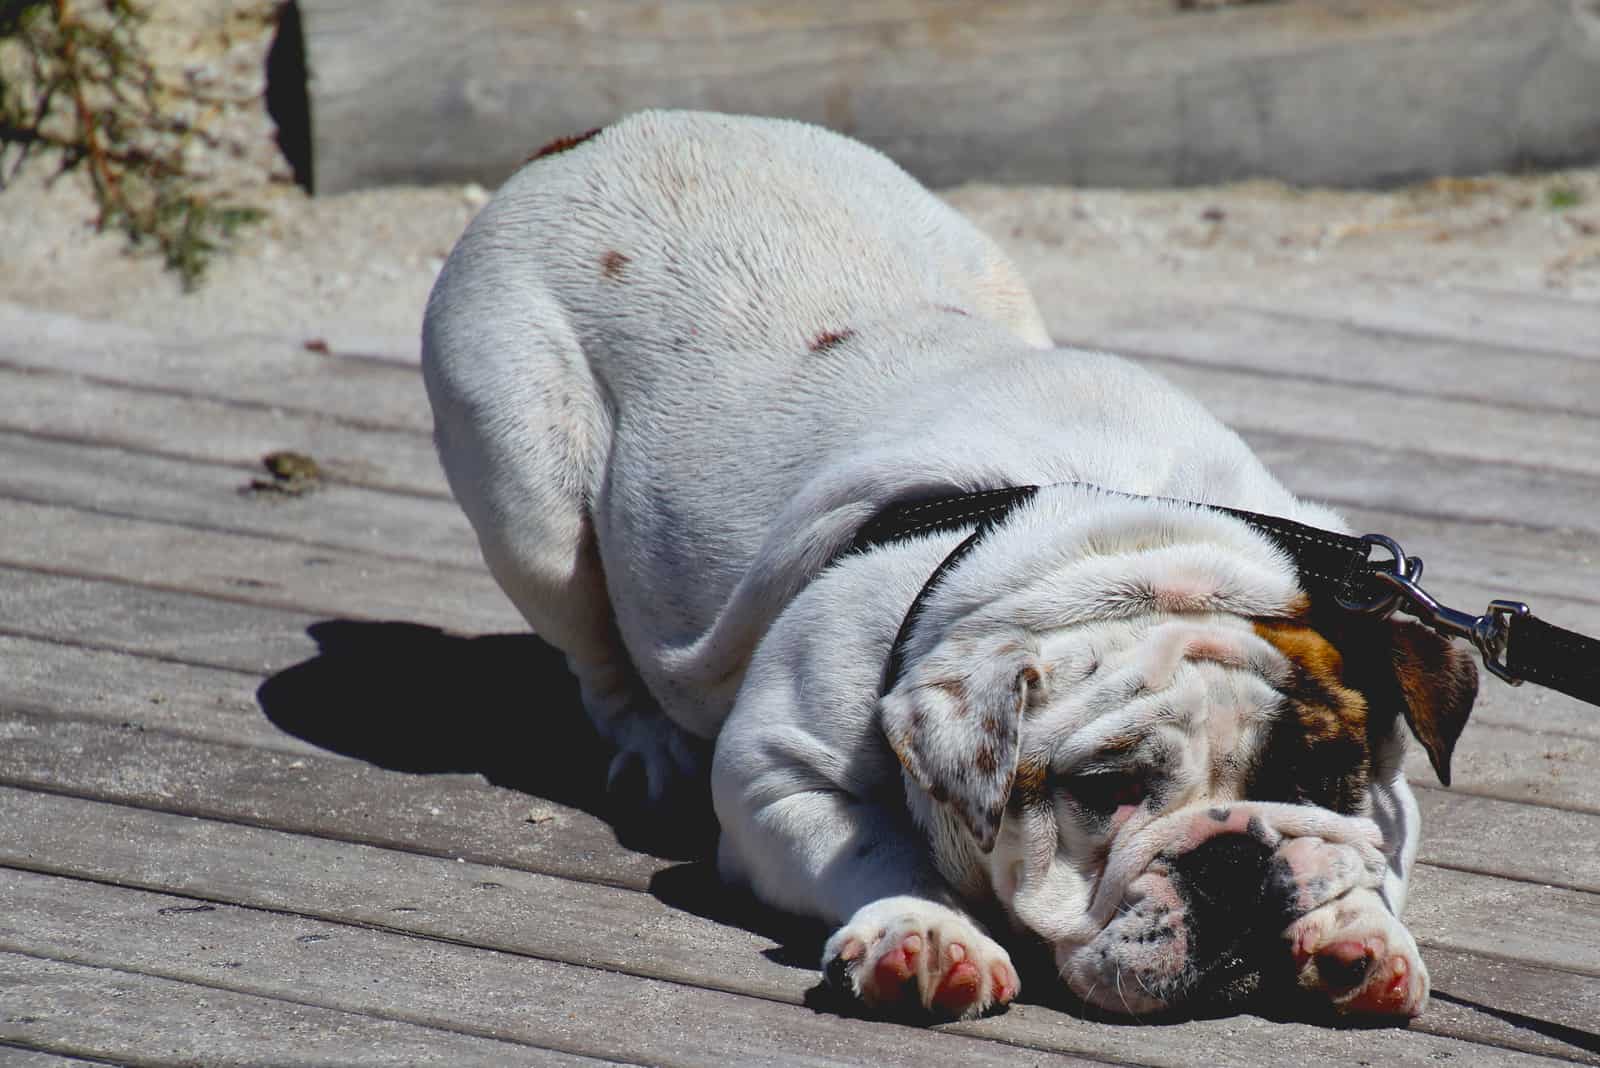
(355, 269)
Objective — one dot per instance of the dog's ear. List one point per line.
(1438, 681)
(955, 720)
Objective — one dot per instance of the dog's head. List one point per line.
(1120, 737)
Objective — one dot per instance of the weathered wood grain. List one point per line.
(275, 373)
(456, 815)
(647, 935)
(1475, 315)
(205, 631)
(119, 482)
(1556, 441)
(1286, 344)
(128, 1018)
(461, 988)
(20, 1057)
(261, 570)
(1522, 766)
(1342, 461)
(215, 496)
(1368, 473)
(1353, 92)
(1245, 1040)
(168, 424)
(55, 679)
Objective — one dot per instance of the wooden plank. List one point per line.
(537, 811)
(196, 492)
(1555, 441)
(1365, 92)
(1464, 313)
(1278, 342)
(1528, 767)
(201, 493)
(274, 373)
(19, 1057)
(204, 631)
(260, 570)
(453, 987)
(484, 906)
(458, 816)
(137, 693)
(1507, 1004)
(168, 424)
(1423, 466)
(1374, 475)
(127, 1018)
(1462, 829)
(210, 632)
(1506, 920)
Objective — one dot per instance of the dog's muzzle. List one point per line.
(1201, 923)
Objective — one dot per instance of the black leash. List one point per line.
(1515, 644)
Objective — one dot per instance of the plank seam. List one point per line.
(1509, 799)
(352, 422)
(467, 1032)
(398, 846)
(266, 604)
(137, 449)
(1146, 355)
(1298, 316)
(574, 962)
(240, 532)
(57, 1050)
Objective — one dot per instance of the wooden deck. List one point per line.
(269, 791)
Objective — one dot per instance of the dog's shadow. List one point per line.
(413, 698)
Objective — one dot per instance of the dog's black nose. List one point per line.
(1224, 879)
(1225, 882)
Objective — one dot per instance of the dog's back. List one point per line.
(677, 239)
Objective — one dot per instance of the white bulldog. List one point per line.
(676, 364)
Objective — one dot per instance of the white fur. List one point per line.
(673, 370)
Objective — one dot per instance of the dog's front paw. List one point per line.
(903, 951)
(1353, 951)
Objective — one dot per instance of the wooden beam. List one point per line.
(1093, 92)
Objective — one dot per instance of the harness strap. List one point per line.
(1515, 644)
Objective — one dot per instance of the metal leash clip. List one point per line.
(1488, 632)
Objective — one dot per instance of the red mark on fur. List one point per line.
(953, 310)
(561, 144)
(829, 339)
(613, 263)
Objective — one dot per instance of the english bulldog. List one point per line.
(676, 364)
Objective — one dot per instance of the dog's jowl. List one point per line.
(676, 365)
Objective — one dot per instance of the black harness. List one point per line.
(1515, 644)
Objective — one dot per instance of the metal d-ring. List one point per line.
(1401, 572)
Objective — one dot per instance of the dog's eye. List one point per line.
(1105, 792)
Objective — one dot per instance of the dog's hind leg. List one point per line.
(523, 433)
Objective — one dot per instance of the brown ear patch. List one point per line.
(1319, 751)
(1391, 668)
(1438, 682)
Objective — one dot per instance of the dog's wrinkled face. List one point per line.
(1159, 796)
